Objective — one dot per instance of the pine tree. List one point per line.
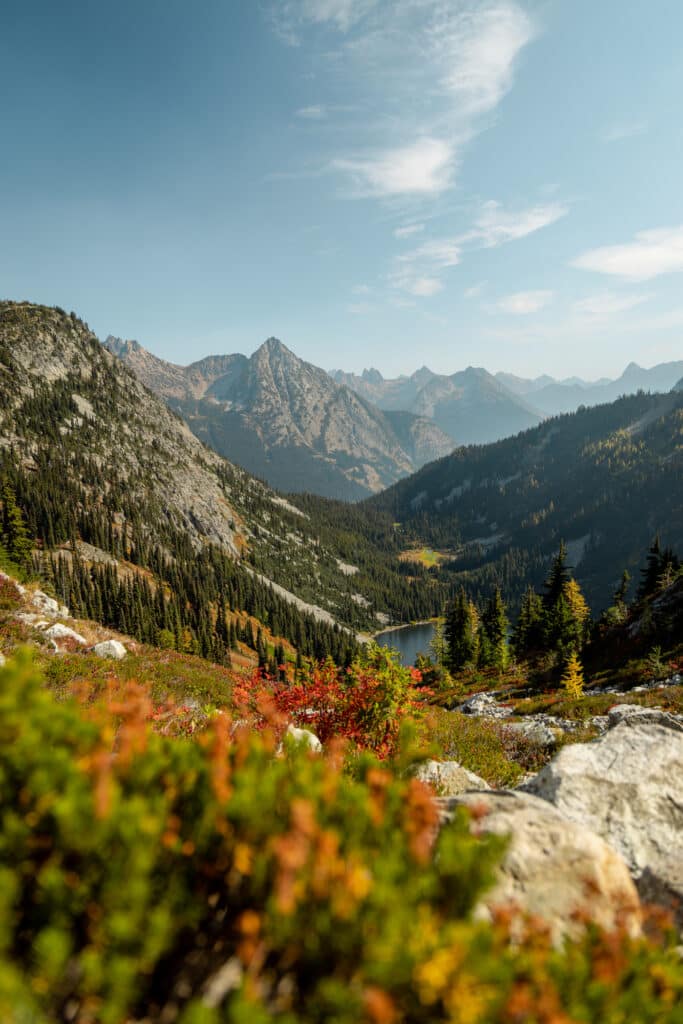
(461, 633)
(15, 536)
(528, 633)
(493, 648)
(557, 579)
(573, 680)
(653, 567)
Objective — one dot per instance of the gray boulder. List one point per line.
(62, 632)
(110, 649)
(627, 787)
(635, 714)
(449, 778)
(537, 733)
(3, 660)
(485, 705)
(47, 605)
(553, 869)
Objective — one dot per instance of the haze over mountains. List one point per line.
(287, 421)
(470, 406)
(474, 406)
(348, 436)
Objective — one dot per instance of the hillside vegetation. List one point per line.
(605, 480)
(140, 525)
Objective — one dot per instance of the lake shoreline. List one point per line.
(406, 625)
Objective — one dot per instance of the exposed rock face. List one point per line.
(554, 869)
(449, 778)
(47, 605)
(110, 649)
(287, 421)
(49, 352)
(627, 788)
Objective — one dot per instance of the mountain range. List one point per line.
(474, 406)
(108, 475)
(471, 406)
(554, 396)
(288, 422)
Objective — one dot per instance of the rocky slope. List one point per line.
(471, 406)
(286, 420)
(97, 457)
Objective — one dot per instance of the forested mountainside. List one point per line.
(604, 479)
(471, 406)
(139, 521)
(287, 421)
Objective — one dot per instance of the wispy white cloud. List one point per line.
(360, 308)
(524, 303)
(430, 70)
(480, 46)
(651, 254)
(494, 226)
(424, 167)
(439, 253)
(316, 112)
(424, 286)
(609, 303)
(621, 130)
(475, 291)
(289, 17)
(407, 230)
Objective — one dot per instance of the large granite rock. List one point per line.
(554, 869)
(627, 787)
(636, 714)
(449, 778)
(47, 605)
(535, 732)
(61, 632)
(110, 649)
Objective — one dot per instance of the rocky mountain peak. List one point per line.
(121, 347)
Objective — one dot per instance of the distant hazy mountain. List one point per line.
(552, 396)
(476, 407)
(287, 421)
(472, 407)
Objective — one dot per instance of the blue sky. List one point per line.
(376, 182)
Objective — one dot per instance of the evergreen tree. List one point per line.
(15, 536)
(528, 633)
(493, 647)
(461, 633)
(557, 579)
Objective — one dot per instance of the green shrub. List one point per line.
(209, 881)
